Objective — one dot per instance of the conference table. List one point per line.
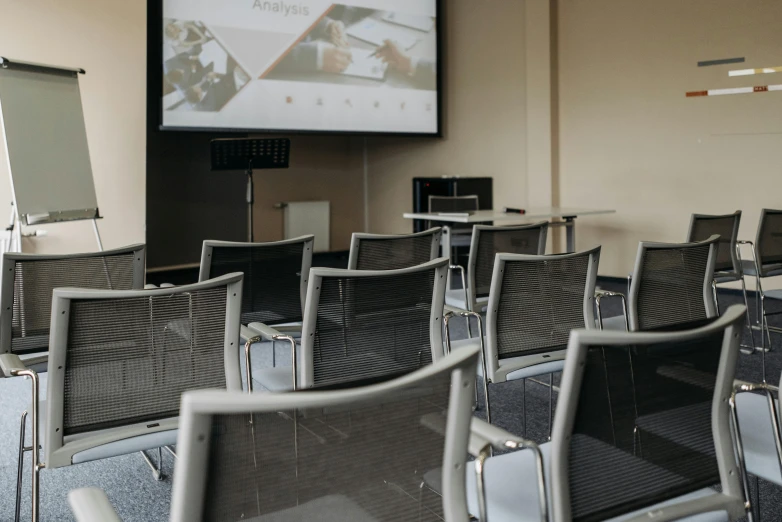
(568, 216)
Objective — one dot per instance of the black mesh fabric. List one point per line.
(35, 279)
(506, 240)
(130, 360)
(671, 286)
(271, 291)
(393, 252)
(704, 227)
(769, 241)
(642, 432)
(372, 327)
(364, 462)
(540, 303)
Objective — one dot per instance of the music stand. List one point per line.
(247, 154)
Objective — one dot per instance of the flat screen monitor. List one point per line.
(369, 66)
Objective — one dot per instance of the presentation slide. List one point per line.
(301, 65)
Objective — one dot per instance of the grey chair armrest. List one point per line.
(246, 333)
(501, 439)
(265, 332)
(10, 364)
(91, 505)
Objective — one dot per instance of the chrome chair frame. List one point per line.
(761, 272)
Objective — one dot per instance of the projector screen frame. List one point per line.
(155, 20)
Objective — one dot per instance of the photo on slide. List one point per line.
(359, 46)
(199, 74)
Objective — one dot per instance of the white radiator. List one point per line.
(309, 217)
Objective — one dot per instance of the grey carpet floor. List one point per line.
(138, 497)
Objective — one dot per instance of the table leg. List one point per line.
(570, 234)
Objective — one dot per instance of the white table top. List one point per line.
(534, 213)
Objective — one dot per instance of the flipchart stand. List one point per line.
(247, 154)
(46, 148)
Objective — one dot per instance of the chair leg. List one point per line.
(716, 300)
(475, 404)
(524, 405)
(749, 319)
(20, 467)
(550, 402)
(756, 503)
(157, 471)
(486, 400)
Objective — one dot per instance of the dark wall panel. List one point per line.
(186, 202)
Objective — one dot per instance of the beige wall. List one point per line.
(485, 125)
(322, 169)
(108, 40)
(631, 140)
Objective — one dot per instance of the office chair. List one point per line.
(766, 262)
(26, 292)
(348, 455)
(391, 252)
(728, 265)
(671, 284)
(119, 362)
(361, 326)
(275, 277)
(485, 243)
(534, 303)
(275, 281)
(642, 432)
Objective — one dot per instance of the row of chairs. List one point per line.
(352, 312)
(359, 454)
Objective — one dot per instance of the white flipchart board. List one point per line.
(46, 143)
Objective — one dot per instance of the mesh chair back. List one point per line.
(644, 418)
(361, 326)
(488, 241)
(769, 241)
(703, 226)
(335, 456)
(122, 358)
(29, 279)
(537, 300)
(391, 252)
(672, 284)
(275, 276)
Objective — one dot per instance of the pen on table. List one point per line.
(509, 210)
(377, 51)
